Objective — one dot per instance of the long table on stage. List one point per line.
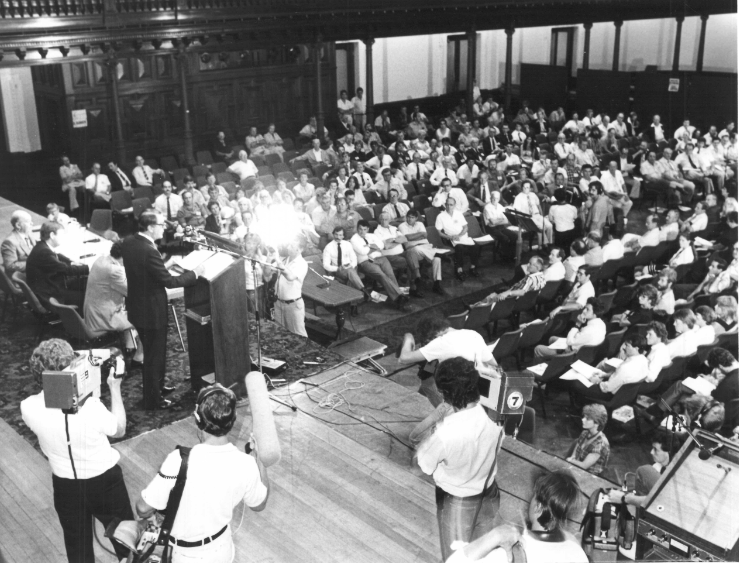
(333, 296)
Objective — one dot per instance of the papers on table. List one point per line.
(214, 262)
(538, 369)
(581, 372)
(465, 240)
(614, 362)
(442, 250)
(559, 344)
(684, 208)
(700, 385)
(194, 259)
(484, 238)
(702, 242)
(623, 414)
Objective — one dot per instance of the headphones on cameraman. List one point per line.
(200, 419)
(707, 407)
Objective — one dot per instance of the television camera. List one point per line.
(69, 388)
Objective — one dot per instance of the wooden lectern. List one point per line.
(217, 324)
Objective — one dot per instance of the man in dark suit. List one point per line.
(46, 270)
(147, 301)
(119, 180)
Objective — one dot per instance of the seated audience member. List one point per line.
(344, 217)
(575, 260)
(555, 271)
(718, 280)
(692, 167)
(392, 244)
(213, 221)
(659, 356)
(98, 184)
(678, 180)
(323, 214)
(105, 300)
(601, 209)
(664, 447)
(562, 216)
(444, 173)
(606, 381)
(665, 281)
(614, 248)
(670, 230)
(724, 378)
(725, 309)
(379, 161)
(615, 188)
(418, 249)
(50, 274)
(580, 293)
(591, 450)
(340, 260)
(652, 237)
(684, 254)
(684, 343)
(452, 227)
(647, 297)
(545, 538)
(118, 178)
(704, 317)
(144, 174)
(527, 202)
(497, 225)
(589, 330)
(16, 248)
(198, 197)
(72, 180)
(698, 221)
(310, 131)
(254, 142)
(594, 255)
(223, 150)
(303, 189)
(190, 212)
(53, 213)
(438, 341)
(244, 168)
(533, 281)
(273, 142)
(387, 183)
(168, 204)
(396, 209)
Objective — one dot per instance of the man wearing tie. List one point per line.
(478, 195)
(118, 178)
(447, 191)
(444, 173)
(416, 171)
(396, 209)
(144, 174)
(340, 261)
(146, 302)
(168, 204)
(16, 248)
(99, 186)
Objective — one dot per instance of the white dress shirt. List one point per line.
(244, 169)
(590, 334)
(658, 358)
(441, 173)
(460, 199)
(683, 344)
(330, 256)
(385, 233)
(632, 370)
(103, 183)
(175, 204)
(452, 225)
(361, 246)
(554, 272)
(143, 175)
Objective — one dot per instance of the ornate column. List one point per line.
(319, 89)
(119, 145)
(586, 46)
(508, 65)
(182, 60)
(369, 89)
(701, 43)
(676, 54)
(617, 44)
(471, 66)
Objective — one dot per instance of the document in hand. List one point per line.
(581, 372)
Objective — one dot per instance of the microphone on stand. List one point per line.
(706, 453)
(703, 453)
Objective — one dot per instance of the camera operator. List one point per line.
(218, 478)
(86, 477)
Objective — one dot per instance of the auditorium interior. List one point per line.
(538, 126)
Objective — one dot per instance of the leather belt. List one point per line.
(205, 541)
(287, 302)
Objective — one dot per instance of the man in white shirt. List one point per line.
(652, 237)
(584, 155)
(654, 173)
(590, 331)
(323, 215)
(244, 167)
(691, 165)
(396, 209)
(144, 174)
(387, 183)
(656, 130)
(615, 188)
(445, 192)
(696, 222)
(672, 173)
(556, 269)
(614, 248)
(633, 369)
(364, 180)
(392, 243)
(360, 109)
(368, 249)
(340, 261)
(684, 344)
(619, 127)
(418, 249)
(86, 479)
(452, 227)
(416, 171)
(99, 186)
(444, 173)
(380, 161)
(562, 149)
(682, 130)
(315, 155)
(289, 307)
(574, 125)
(168, 203)
(468, 172)
(540, 167)
(580, 293)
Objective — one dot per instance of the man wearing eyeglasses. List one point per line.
(146, 302)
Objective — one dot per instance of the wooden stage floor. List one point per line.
(343, 491)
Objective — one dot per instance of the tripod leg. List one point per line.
(177, 324)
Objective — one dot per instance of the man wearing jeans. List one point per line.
(460, 454)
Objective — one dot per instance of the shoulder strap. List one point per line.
(175, 497)
(487, 483)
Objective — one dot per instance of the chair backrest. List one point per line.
(7, 286)
(473, 227)
(526, 302)
(624, 295)
(218, 167)
(144, 191)
(225, 177)
(730, 341)
(556, 366)
(502, 310)
(264, 170)
(549, 291)
(286, 176)
(533, 334)
(626, 395)
(20, 280)
(410, 190)
(607, 300)
(609, 269)
(478, 317)
(101, 220)
(180, 173)
(319, 170)
(434, 238)
(591, 355)
(248, 183)
(140, 205)
(200, 170)
(271, 159)
(288, 144)
(421, 202)
(152, 163)
(268, 180)
(288, 155)
(279, 166)
(230, 187)
(291, 185)
(613, 342)
(74, 325)
(257, 159)
(431, 214)
(120, 200)
(675, 370)
(365, 213)
(377, 210)
(204, 157)
(169, 163)
(457, 321)
(507, 344)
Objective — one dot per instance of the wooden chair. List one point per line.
(12, 292)
(45, 318)
(507, 345)
(75, 327)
